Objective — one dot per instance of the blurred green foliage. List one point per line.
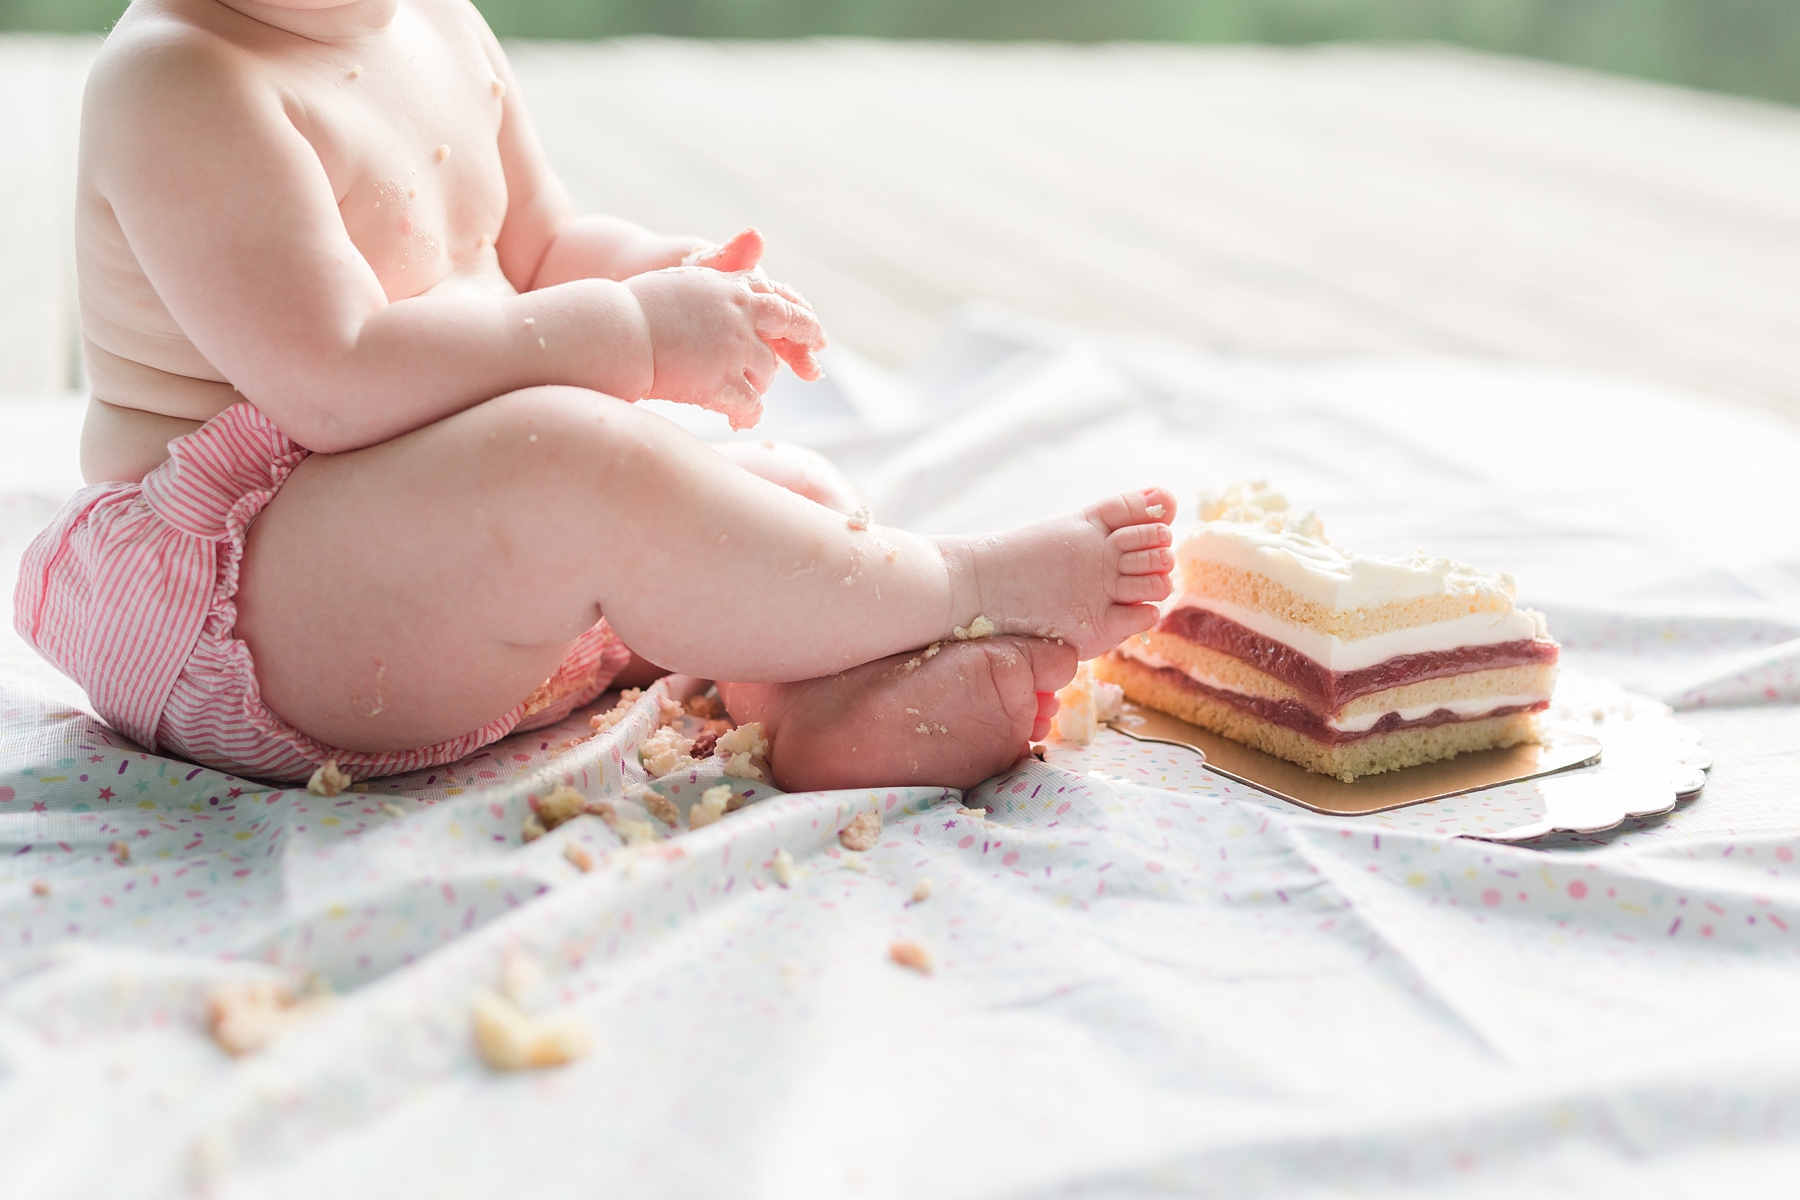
(1751, 47)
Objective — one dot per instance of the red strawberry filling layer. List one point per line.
(1331, 690)
(1302, 719)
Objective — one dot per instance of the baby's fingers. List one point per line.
(741, 253)
(799, 358)
(781, 320)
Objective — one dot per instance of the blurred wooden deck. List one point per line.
(1271, 202)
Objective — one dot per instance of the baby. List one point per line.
(367, 481)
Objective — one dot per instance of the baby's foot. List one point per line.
(1089, 578)
(948, 718)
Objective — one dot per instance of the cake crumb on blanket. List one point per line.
(668, 711)
(604, 721)
(637, 833)
(1085, 704)
(40, 887)
(714, 802)
(742, 766)
(855, 862)
(661, 807)
(921, 892)
(980, 627)
(862, 833)
(520, 975)
(783, 867)
(747, 738)
(705, 707)
(246, 1016)
(980, 814)
(563, 803)
(392, 809)
(860, 519)
(328, 781)
(577, 854)
(121, 852)
(512, 1040)
(531, 829)
(665, 752)
(912, 956)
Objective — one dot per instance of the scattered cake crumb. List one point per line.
(665, 752)
(912, 956)
(860, 519)
(921, 891)
(605, 811)
(704, 745)
(392, 809)
(563, 803)
(668, 711)
(636, 833)
(577, 854)
(979, 814)
(931, 650)
(862, 833)
(662, 808)
(40, 887)
(742, 766)
(511, 1040)
(784, 868)
(121, 852)
(855, 862)
(1156, 511)
(520, 975)
(707, 707)
(746, 739)
(246, 1016)
(1084, 705)
(531, 829)
(980, 627)
(714, 802)
(628, 698)
(328, 780)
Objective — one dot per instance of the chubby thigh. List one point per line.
(408, 592)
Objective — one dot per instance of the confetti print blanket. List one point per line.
(1146, 980)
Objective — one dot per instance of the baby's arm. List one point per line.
(229, 211)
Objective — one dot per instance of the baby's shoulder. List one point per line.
(160, 54)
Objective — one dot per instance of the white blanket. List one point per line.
(1147, 980)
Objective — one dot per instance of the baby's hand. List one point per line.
(713, 336)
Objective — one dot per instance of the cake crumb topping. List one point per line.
(862, 833)
(328, 781)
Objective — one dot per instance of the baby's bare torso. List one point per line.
(405, 125)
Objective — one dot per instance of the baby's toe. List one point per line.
(1147, 562)
(1133, 508)
(1128, 620)
(1140, 589)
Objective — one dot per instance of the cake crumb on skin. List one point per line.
(328, 781)
(931, 650)
(578, 855)
(783, 867)
(747, 738)
(980, 627)
(921, 892)
(705, 707)
(509, 1039)
(1156, 511)
(860, 519)
(912, 956)
(862, 833)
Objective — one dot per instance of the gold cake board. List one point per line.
(1559, 751)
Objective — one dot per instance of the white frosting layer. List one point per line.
(1335, 654)
(1251, 528)
(1476, 706)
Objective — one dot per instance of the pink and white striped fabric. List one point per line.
(130, 592)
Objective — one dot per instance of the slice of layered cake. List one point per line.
(1347, 664)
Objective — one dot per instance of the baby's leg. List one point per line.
(406, 593)
(953, 719)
